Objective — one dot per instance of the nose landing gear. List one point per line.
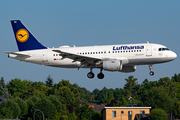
(151, 72)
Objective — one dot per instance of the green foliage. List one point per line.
(45, 106)
(37, 89)
(12, 107)
(22, 105)
(49, 81)
(176, 78)
(65, 95)
(64, 118)
(158, 114)
(56, 116)
(122, 102)
(6, 113)
(1, 93)
(109, 98)
(72, 116)
(97, 116)
(159, 98)
(2, 83)
(55, 101)
(177, 110)
(85, 112)
(16, 87)
(130, 85)
(103, 94)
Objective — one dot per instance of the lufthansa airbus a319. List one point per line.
(121, 58)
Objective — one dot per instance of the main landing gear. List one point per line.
(91, 74)
(151, 72)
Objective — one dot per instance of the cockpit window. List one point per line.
(163, 49)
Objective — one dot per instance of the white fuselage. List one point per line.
(131, 54)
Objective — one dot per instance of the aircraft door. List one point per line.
(149, 50)
(44, 56)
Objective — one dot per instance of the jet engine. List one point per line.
(117, 65)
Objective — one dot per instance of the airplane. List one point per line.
(121, 58)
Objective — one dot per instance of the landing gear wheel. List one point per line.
(90, 75)
(151, 73)
(100, 75)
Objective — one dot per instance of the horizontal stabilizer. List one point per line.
(19, 54)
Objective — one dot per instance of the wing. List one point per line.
(81, 58)
(19, 54)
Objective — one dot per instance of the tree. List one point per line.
(122, 102)
(22, 105)
(65, 95)
(158, 114)
(3, 90)
(85, 112)
(6, 113)
(177, 110)
(55, 101)
(30, 104)
(95, 91)
(37, 89)
(56, 116)
(118, 93)
(2, 83)
(49, 81)
(16, 87)
(109, 98)
(10, 106)
(129, 87)
(45, 106)
(158, 97)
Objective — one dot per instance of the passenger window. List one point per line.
(115, 51)
(105, 52)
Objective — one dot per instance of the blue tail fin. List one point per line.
(25, 40)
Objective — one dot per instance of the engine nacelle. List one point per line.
(117, 65)
(111, 65)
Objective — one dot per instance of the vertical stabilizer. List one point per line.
(25, 40)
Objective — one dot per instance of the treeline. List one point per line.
(66, 101)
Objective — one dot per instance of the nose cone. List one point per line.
(173, 55)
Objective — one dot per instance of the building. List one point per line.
(124, 113)
(97, 108)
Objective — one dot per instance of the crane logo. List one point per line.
(22, 35)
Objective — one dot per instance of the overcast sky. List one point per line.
(88, 23)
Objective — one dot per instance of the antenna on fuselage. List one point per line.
(147, 42)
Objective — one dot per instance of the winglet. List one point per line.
(25, 40)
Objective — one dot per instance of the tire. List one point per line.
(90, 75)
(100, 75)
